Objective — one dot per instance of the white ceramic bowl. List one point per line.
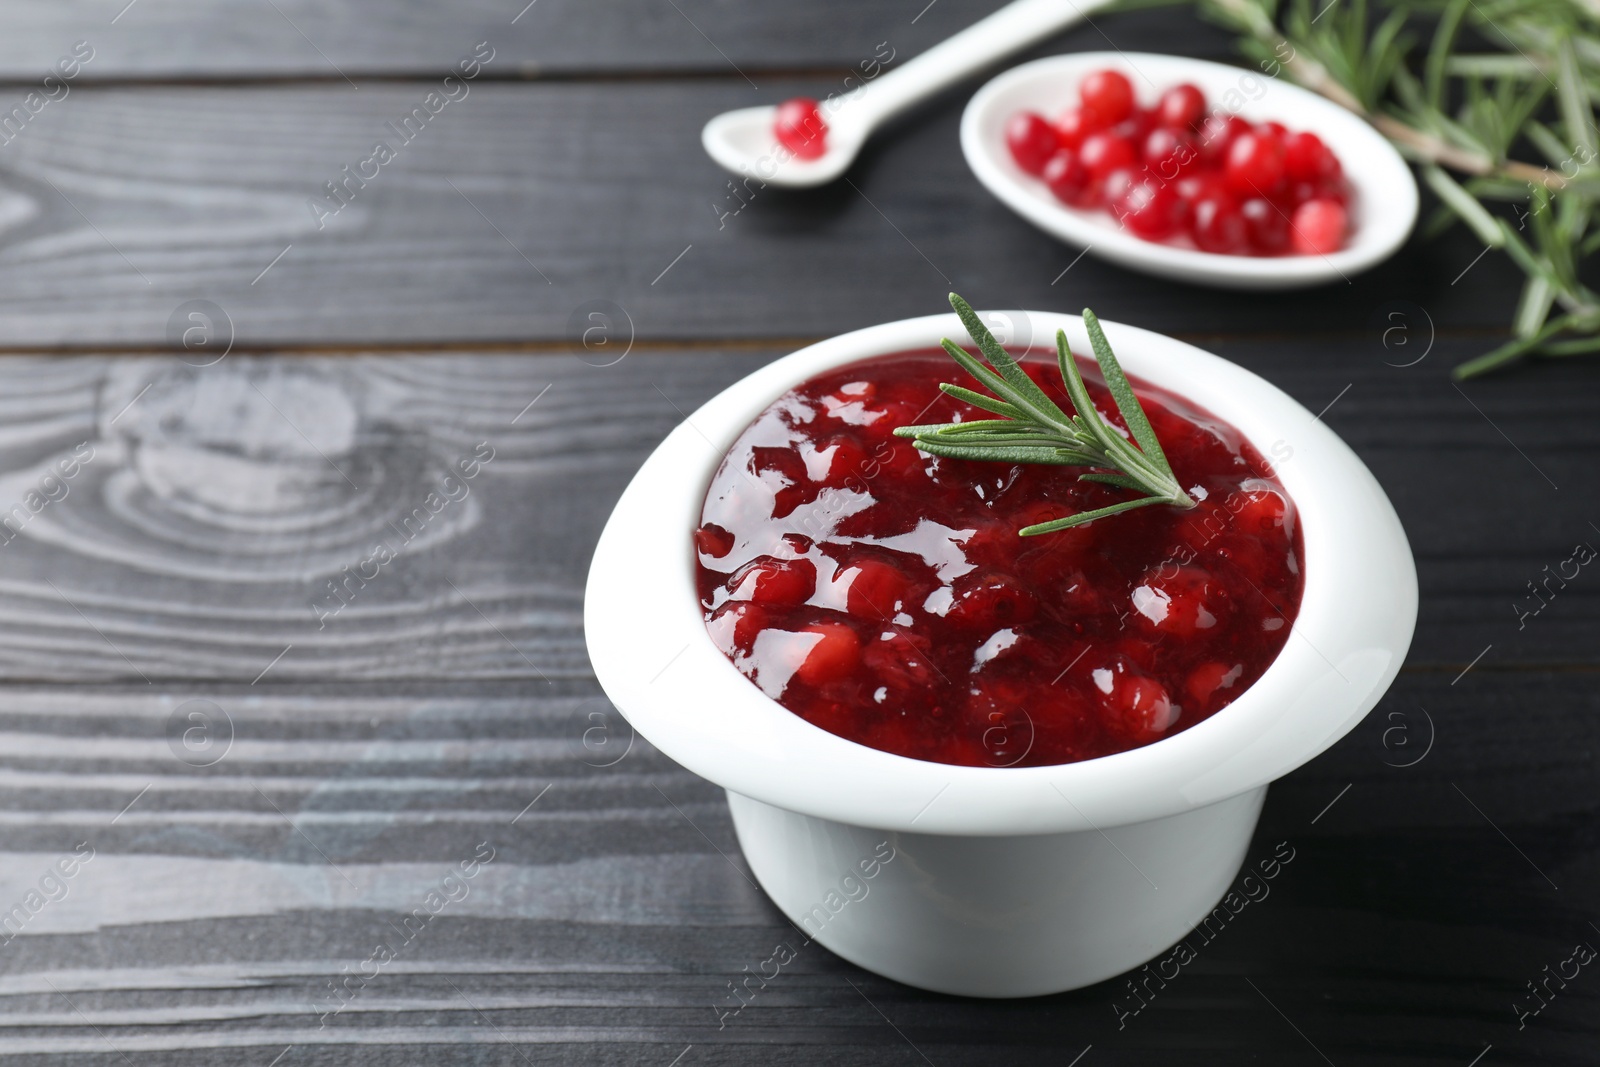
(1005, 881)
(1383, 209)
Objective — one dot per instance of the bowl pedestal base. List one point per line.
(995, 916)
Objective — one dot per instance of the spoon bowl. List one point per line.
(1383, 205)
(741, 141)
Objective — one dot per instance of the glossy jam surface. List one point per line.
(884, 595)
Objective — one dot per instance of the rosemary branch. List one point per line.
(1465, 113)
(1034, 429)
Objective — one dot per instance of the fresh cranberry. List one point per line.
(1318, 227)
(1108, 93)
(1268, 226)
(1137, 126)
(1150, 209)
(1217, 135)
(832, 656)
(800, 128)
(1254, 164)
(1032, 140)
(1076, 123)
(1069, 179)
(1116, 185)
(712, 540)
(1307, 159)
(1217, 225)
(774, 582)
(1181, 107)
(1168, 153)
(1276, 130)
(1103, 153)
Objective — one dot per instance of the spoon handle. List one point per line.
(1011, 29)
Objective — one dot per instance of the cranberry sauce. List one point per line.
(885, 596)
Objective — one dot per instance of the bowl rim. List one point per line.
(1386, 192)
(654, 659)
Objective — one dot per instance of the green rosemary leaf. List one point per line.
(998, 357)
(1122, 393)
(1014, 454)
(1082, 517)
(1034, 429)
(1444, 38)
(1120, 480)
(978, 400)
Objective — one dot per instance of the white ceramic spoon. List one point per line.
(1383, 208)
(742, 141)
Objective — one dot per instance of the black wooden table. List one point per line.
(274, 686)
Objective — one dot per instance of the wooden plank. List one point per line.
(229, 522)
(164, 39)
(517, 206)
(221, 901)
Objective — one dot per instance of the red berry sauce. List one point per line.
(1177, 175)
(885, 596)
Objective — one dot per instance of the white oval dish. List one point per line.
(1383, 208)
(1017, 881)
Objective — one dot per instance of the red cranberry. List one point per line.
(1307, 159)
(1116, 185)
(1150, 209)
(834, 654)
(1217, 135)
(1275, 130)
(1109, 93)
(1213, 680)
(1254, 164)
(1032, 140)
(1141, 709)
(1258, 512)
(1182, 604)
(1076, 123)
(1318, 228)
(1103, 153)
(873, 589)
(989, 602)
(1168, 153)
(1069, 179)
(900, 659)
(837, 461)
(1268, 226)
(800, 128)
(733, 627)
(1136, 126)
(774, 582)
(712, 540)
(1181, 107)
(1217, 225)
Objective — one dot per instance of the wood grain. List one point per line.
(253, 39)
(222, 900)
(232, 519)
(517, 206)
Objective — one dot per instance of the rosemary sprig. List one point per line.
(1034, 429)
(1534, 85)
